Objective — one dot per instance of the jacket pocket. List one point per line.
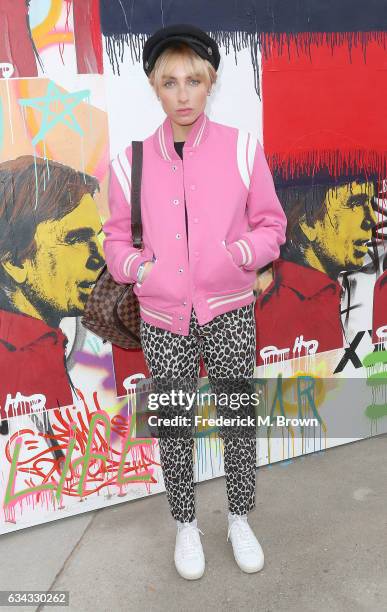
(238, 273)
(148, 278)
(228, 254)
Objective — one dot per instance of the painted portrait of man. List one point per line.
(50, 257)
(379, 319)
(329, 231)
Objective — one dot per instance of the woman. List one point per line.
(210, 218)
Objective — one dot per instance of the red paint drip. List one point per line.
(16, 45)
(324, 103)
(88, 36)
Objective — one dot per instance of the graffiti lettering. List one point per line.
(26, 403)
(381, 332)
(6, 70)
(97, 465)
(310, 345)
(273, 351)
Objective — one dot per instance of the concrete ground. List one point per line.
(321, 520)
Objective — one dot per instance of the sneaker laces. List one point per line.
(243, 532)
(189, 539)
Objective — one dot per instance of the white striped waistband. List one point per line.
(157, 315)
(219, 300)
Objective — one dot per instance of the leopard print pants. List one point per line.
(227, 345)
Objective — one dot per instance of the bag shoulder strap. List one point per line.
(136, 175)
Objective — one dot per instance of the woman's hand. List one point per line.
(147, 268)
(263, 280)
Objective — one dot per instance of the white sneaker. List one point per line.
(189, 555)
(247, 550)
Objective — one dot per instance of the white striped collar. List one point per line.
(164, 142)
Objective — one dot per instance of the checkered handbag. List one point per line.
(112, 310)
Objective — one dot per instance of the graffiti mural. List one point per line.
(38, 36)
(329, 163)
(72, 96)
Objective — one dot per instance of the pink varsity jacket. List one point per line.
(235, 223)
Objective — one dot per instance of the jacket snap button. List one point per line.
(176, 202)
(181, 318)
(174, 168)
(181, 270)
(179, 329)
(178, 236)
(184, 303)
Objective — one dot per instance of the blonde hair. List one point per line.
(199, 66)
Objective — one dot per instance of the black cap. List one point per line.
(197, 39)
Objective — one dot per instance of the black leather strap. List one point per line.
(137, 155)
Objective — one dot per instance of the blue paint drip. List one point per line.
(36, 181)
(286, 462)
(44, 173)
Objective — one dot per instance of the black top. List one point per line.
(179, 150)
